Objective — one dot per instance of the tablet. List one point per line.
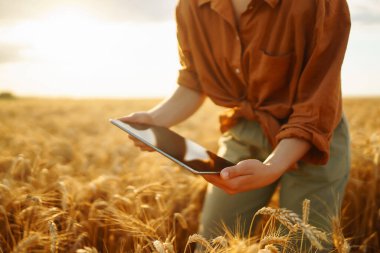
(182, 151)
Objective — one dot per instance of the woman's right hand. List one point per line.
(141, 118)
(175, 109)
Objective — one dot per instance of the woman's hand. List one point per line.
(141, 118)
(246, 175)
(253, 174)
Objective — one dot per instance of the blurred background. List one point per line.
(128, 48)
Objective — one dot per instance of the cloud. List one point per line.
(365, 11)
(111, 10)
(133, 10)
(10, 52)
(362, 11)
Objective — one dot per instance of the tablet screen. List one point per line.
(185, 152)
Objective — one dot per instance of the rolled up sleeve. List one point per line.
(187, 75)
(317, 108)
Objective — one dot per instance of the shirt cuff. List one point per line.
(189, 80)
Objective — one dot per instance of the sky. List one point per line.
(128, 48)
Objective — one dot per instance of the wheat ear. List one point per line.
(305, 211)
(53, 237)
(293, 223)
(196, 238)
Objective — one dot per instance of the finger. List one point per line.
(245, 183)
(235, 171)
(214, 179)
(129, 118)
(218, 183)
(240, 184)
(230, 186)
(137, 117)
(141, 144)
(146, 149)
(211, 177)
(136, 141)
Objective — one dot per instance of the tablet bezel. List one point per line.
(120, 124)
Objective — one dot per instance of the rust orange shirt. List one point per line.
(280, 66)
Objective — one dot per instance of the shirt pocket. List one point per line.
(270, 75)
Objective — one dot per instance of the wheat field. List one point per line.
(72, 182)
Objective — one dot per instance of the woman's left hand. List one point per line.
(246, 175)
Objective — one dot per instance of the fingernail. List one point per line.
(224, 174)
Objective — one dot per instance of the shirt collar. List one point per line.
(272, 3)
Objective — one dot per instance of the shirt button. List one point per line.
(237, 37)
(237, 71)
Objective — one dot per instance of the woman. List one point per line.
(276, 65)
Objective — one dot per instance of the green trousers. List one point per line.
(323, 185)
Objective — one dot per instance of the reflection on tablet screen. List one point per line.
(183, 151)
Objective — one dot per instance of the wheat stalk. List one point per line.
(161, 205)
(169, 247)
(282, 240)
(293, 223)
(35, 199)
(78, 241)
(25, 203)
(26, 243)
(254, 248)
(305, 211)
(181, 220)
(53, 237)
(271, 248)
(284, 216)
(340, 243)
(196, 238)
(7, 224)
(64, 195)
(159, 246)
(220, 240)
(87, 250)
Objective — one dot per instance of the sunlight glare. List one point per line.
(70, 53)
